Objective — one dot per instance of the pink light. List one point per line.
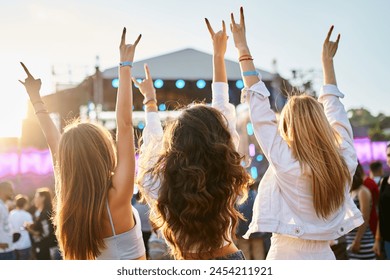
(252, 150)
(30, 161)
(368, 151)
(8, 164)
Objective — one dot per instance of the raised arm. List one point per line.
(333, 108)
(256, 95)
(220, 88)
(152, 137)
(48, 127)
(123, 179)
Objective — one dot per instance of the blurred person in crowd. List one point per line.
(94, 176)
(383, 229)
(255, 247)
(158, 248)
(18, 218)
(191, 175)
(304, 196)
(361, 240)
(143, 210)
(41, 229)
(376, 171)
(6, 242)
(374, 190)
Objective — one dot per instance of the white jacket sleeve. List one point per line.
(152, 144)
(220, 101)
(265, 127)
(338, 119)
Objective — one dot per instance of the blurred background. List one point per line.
(73, 47)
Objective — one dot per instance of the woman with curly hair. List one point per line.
(192, 174)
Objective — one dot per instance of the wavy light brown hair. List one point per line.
(315, 144)
(86, 160)
(201, 179)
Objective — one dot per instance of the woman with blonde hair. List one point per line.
(191, 175)
(95, 176)
(304, 195)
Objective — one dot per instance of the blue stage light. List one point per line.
(254, 173)
(141, 125)
(259, 158)
(201, 84)
(239, 84)
(180, 84)
(249, 128)
(158, 83)
(115, 83)
(162, 107)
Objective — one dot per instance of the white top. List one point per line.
(17, 219)
(153, 134)
(284, 203)
(5, 228)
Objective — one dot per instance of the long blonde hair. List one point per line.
(315, 144)
(86, 160)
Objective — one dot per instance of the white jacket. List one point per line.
(284, 203)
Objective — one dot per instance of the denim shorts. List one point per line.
(239, 255)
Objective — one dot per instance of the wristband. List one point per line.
(126, 63)
(146, 101)
(247, 58)
(250, 73)
(37, 102)
(43, 111)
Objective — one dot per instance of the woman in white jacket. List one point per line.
(304, 195)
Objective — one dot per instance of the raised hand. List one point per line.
(219, 39)
(127, 50)
(329, 48)
(32, 85)
(238, 31)
(146, 87)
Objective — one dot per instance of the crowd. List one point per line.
(195, 196)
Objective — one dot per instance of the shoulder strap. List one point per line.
(110, 217)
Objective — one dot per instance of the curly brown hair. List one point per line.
(201, 180)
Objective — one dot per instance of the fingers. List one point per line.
(123, 39)
(232, 19)
(138, 39)
(338, 39)
(26, 70)
(242, 20)
(147, 71)
(135, 81)
(21, 82)
(212, 33)
(329, 33)
(223, 27)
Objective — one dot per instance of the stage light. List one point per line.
(259, 158)
(162, 107)
(115, 83)
(141, 125)
(158, 83)
(254, 173)
(252, 150)
(249, 128)
(180, 84)
(201, 84)
(239, 84)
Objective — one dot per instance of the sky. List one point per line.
(68, 35)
